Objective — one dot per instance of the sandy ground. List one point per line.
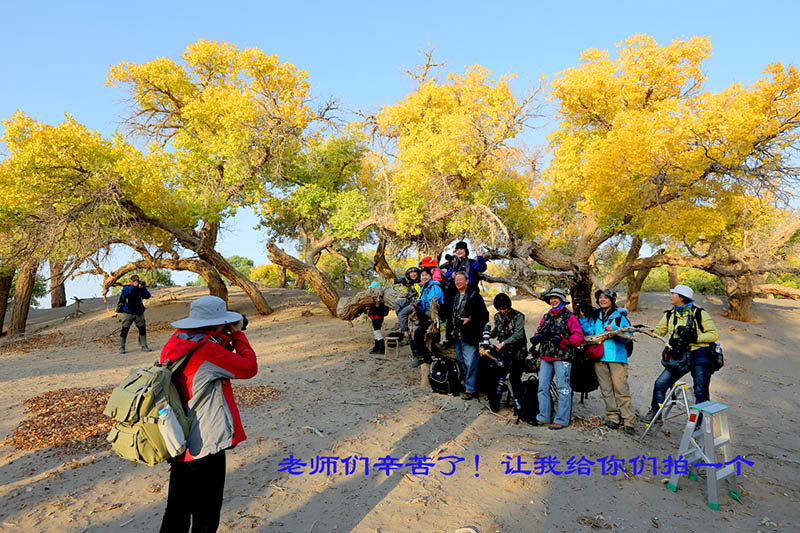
(339, 401)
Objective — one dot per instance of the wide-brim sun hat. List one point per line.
(683, 290)
(558, 293)
(207, 311)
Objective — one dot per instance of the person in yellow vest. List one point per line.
(691, 333)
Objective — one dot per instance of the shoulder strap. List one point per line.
(698, 318)
(174, 366)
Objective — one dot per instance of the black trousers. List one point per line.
(195, 493)
(418, 346)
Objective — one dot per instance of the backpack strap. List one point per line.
(698, 319)
(174, 366)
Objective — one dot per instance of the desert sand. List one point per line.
(336, 400)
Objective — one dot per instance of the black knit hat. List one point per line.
(463, 246)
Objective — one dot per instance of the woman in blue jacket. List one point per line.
(431, 290)
(612, 368)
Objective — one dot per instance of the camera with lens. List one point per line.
(487, 334)
(228, 329)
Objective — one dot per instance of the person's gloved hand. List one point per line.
(563, 343)
(535, 340)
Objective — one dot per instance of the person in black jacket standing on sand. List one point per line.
(469, 315)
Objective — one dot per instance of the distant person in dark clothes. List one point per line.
(132, 307)
(377, 313)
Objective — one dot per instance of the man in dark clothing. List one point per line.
(132, 309)
(509, 329)
(461, 263)
(469, 315)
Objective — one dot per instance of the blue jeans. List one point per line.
(700, 367)
(561, 370)
(467, 355)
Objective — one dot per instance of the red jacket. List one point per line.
(204, 383)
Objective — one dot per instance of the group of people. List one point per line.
(220, 352)
(453, 289)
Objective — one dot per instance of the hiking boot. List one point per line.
(468, 396)
(417, 362)
(556, 425)
(611, 424)
(122, 345)
(648, 418)
(143, 343)
(379, 348)
(629, 431)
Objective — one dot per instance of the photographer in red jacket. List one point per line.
(219, 352)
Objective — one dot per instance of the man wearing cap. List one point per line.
(690, 331)
(132, 308)
(219, 351)
(558, 334)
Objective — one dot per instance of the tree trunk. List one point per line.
(379, 261)
(741, 292)
(22, 296)
(299, 282)
(635, 282)
(216, 260)
(216, 287)
(281, 277)
(58, 295)
(349, 308)
(672, 273)
(203, 245)
(581, 291)
(317, 279)
(780, 290)
(6, 279)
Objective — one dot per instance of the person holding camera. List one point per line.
(430, 290)
(405, 305)
(219, 352)
(131, 307)
(558, 334)
(509, 329)
(468, 315)
(690, 331)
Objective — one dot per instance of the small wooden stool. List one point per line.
(393, 342)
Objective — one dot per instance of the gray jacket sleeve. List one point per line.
(519, 330)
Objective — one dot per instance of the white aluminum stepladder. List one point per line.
(676, 396)
(708, 452)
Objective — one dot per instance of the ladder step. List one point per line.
(725, 472)
(721, 441)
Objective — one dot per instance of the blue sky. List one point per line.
(54, 56)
